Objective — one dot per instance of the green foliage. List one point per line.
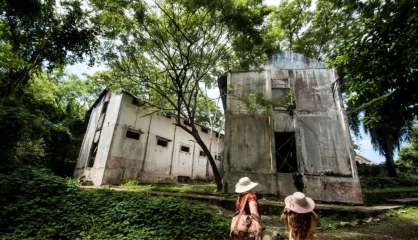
(408, 156)
(379, 82)
(378, 189)
(257, 103)
(39, 34)
(287, 21)
(291, 102)
(175, 50)
(372, 44)
(44, 126)
(203, 187)
(37, 205)
(376, 182)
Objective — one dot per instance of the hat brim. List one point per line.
(293, 206)
(243, 189)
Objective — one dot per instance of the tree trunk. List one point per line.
(218, 179)
(389, 163)
(390, 166)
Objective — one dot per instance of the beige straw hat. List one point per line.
(299, 203)
(244, 185)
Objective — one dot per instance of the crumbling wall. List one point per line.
(303, 101)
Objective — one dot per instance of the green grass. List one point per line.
(38, 205)
(392, 190)
(381, 195)
(200, 187)
(378, 189)
(395, 224)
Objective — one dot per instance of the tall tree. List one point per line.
(373, 46)
(40, 33)
(173, 52)
(378, 64)
(288, 22)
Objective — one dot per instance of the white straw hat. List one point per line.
(299, 203)
(244, 185)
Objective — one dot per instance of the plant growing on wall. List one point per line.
(291, 102)
(257, 103)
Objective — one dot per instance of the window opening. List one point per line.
(135, 102)
(104, 108)
(185, 149)
(133, 134)
(202, 154)
(286, 161)
(93, 154)
(162, 143)
(205, 130)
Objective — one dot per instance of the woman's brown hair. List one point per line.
(300, 223)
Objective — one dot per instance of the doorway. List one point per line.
(285, 145)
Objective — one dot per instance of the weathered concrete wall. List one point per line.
(101, 127)
(324, 153)
(120, 159)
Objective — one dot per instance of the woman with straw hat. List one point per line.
(299, 216)
(246, 223)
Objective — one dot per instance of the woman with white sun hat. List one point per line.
(299, 216)
(246, 223)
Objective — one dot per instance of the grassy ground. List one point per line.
(38, 205)
(198, 187)
(34, 204)
(399, 224)
(402, 225)
(375, 192)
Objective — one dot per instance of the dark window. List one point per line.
(202, 154)
(104, 108)
(286, 161)
(184, 179)
(216, 134)
(133, 134)
(185, 149)
(135, 101)
(186, 122)
(205, 130)
(93, 153)
(162, 142)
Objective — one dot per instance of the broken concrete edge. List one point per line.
(268, 207)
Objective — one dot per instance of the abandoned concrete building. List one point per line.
(125, 141)
(299, 140)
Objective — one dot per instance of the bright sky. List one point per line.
(271, 2)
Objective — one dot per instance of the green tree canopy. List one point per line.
(44, 126)
(378, 64)
(39, 34)
(174, 50)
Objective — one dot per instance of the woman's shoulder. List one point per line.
(251, 196)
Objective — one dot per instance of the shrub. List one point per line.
(38, 205)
